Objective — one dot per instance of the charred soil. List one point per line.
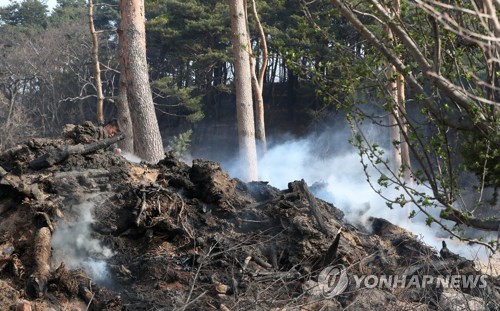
(91, 230)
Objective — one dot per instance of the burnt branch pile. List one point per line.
(177, 237)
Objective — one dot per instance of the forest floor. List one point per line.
(90, 230)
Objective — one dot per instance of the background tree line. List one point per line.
(324, 57)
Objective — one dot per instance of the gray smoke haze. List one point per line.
(131, 157)
(329, 159)
(73, 244)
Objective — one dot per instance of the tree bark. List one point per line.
(405, 148)
(394, 134)
(148, 144)
(258, 86)
(243, 81)
(397, 116)
(97, 68)
(123, 111)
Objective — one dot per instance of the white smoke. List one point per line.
(73, 244)
(131, 157)
(330, 160)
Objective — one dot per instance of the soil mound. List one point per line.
(82, 228)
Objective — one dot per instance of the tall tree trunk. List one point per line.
(243, 81)
(97, 67)
(397, 116)
(123, 117)
(394, 133)
(258, 85)
(12, 101)
(148, 144)
(405, 148)
(122, 106)
(272, 79)
(493, 52)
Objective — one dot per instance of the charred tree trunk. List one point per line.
(148, 144)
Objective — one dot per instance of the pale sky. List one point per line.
(51, 3)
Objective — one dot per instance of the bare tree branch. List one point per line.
(454, 119)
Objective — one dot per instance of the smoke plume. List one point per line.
(332, 169)
(73, 244)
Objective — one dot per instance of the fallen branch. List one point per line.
(142, 205)
(262, 263)
(263, 276)
(181, 220)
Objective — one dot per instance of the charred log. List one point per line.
(331, 253)
(262, 263)
(9, 198)
(37, 282)
(302, 188)
(27, 185)
(61, 154)
(445, 252)
(140, 206)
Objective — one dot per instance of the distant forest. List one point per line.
(46, 79)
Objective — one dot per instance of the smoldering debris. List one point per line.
(74, 245)
(205, 241)
(332, 167)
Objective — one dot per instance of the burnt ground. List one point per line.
(93, 231)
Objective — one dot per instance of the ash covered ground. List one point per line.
(90, 230)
